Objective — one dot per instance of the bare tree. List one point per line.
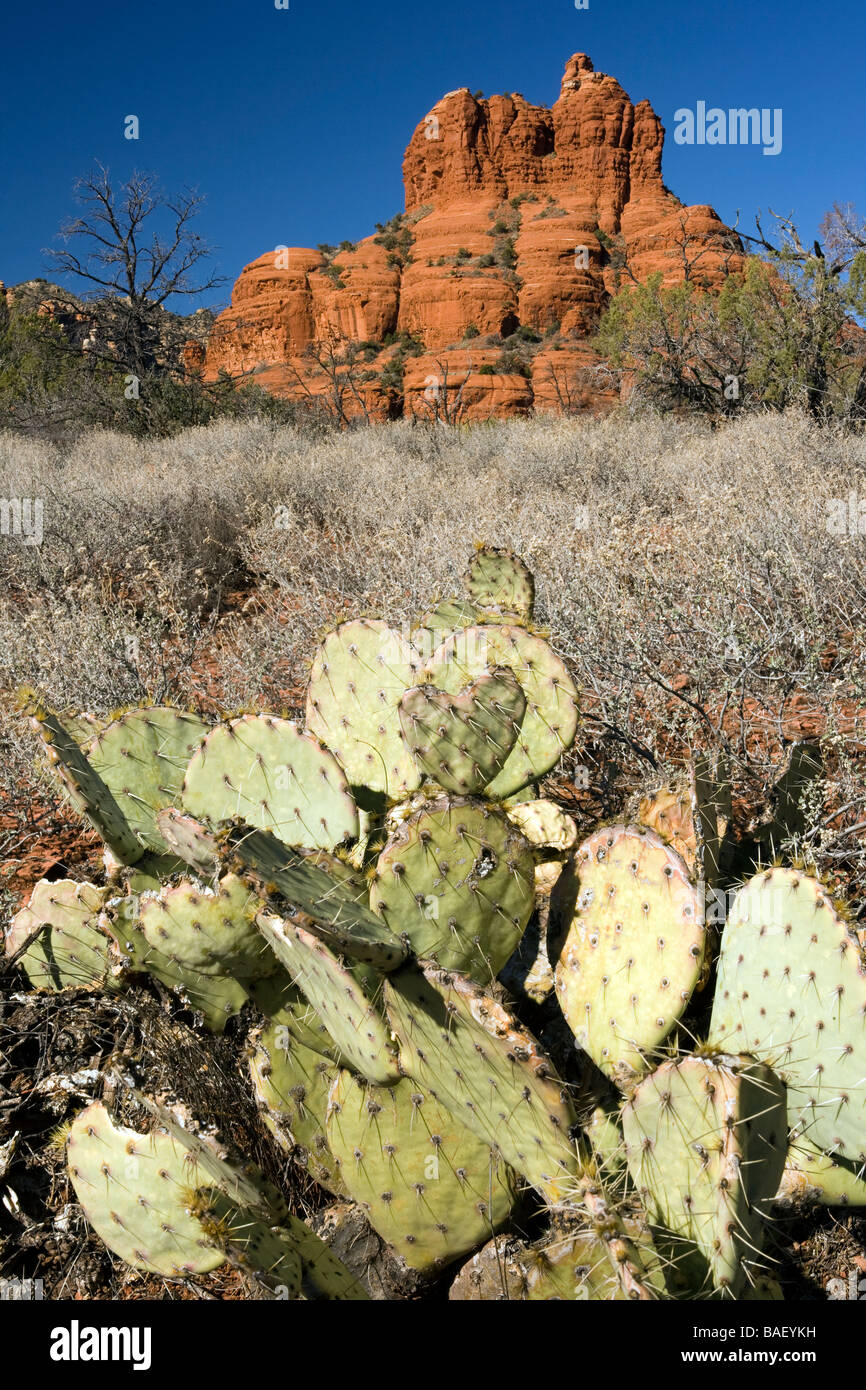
(135, 250)
(442, 401)
(333, 378)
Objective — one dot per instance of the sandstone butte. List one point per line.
(479, 299)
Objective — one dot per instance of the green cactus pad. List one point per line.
(458, 879)
(579, 1266)
(193, 843)
(283, 1004)
(544, 825)
(428, 1186)
(333, 896)
(499, 579)
(141, 757)
(270, 774)
(550, 722)
(463, 740)
(462, 1046)
(72, 950)
(136, 1191)
(212, 930)
(359, 676)
(265, 1253)
(791, 990)
(87, 790)
(262, 1209)
(812, 1176)
(634, 946)
(337, 996)
(216, 997)
(291, 1084)
(449, 615)
(705, 1143)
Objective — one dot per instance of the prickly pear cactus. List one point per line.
(544, 825)
(142, 757)
(705, 1140)
(634, 946)
(72, 949)
(190, 840)
(791, 990)
(550, 722)
(136, 1191)
(458, 879)
(216, 997)
(462, 741)
(273, 776)
(338, 996)
(464, 1048)
(261, 1234)
(86, 789)
(291, 1084)
(333, 897)
(447, 616)
(359, 676)
(427, 1184)
(576, 1267)
(212, 930)
(813, 1176)
(497, 578)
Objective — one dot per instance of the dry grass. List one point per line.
(688, 575)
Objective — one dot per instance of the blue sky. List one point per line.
(293, 122)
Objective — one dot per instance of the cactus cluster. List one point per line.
(355, 889)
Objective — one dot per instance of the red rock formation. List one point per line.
(517, 217)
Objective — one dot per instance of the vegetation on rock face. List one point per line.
(782, 332)
(355, 887)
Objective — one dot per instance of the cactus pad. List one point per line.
(328, 892)
(216, 997)
(550, 722)
(462, 1046)
(813, 1176)
(580, 1267)
(634, 946)
(72, 950)
(791, 989)
(337, 996)
(705, 1142)
(193, 843)
(359, 676)
(135, 1190)
(87, 790)
(291, 1084)
(544, 825)
(462, 740)
(498, 579)
(449, 615)
(270, 774)
(212, 930)
(458, 879)
(141, 757)
(428, 1186)
(263, 1231)
(283, 1004)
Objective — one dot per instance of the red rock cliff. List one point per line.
(518, 221)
